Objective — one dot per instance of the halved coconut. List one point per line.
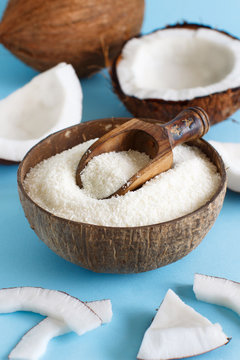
(218, 291)
(49, 102)
(178, 331)
(159, 74)
(230, 153)
(34, 343)
(59, 305)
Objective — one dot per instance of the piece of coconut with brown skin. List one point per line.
(178, 331)
(51, 101)
(84, 33)
(57, 304)
(219, 291)
(34, 343)
(178, 93)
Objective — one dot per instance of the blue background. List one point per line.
(25, 260)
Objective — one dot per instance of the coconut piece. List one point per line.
(49, 102)
(159, 74)
(34, 343)
(230, 153)
(56, 304)
(178, 331)
(83, 33)
(103, 308)
(216, 290)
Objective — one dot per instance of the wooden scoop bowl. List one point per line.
(148, 136)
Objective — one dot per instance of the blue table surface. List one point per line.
(26, 261)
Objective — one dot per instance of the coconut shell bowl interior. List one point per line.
(116, 249)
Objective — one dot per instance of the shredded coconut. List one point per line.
(189, 184)
(103, 176)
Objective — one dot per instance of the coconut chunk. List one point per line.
(34, 343)
(103, 308)
(219, 291)
(49, 102)
(230, 153)
(56, 304)
(177, 64)
(178, 331)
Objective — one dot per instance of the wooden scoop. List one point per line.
(148, 136)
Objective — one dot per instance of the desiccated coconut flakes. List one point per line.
(189, 184)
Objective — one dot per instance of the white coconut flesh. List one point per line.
(34, 343)
(103, 308)
(217, 291)
(179, 64)
(178, 331)
(49, 102)
(230, 153)
(56, 304)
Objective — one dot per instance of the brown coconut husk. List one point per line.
(219, 106)
(79, 32)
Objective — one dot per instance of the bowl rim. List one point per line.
(221, 186)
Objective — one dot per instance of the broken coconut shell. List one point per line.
(80, 32)
(116, 249)
(219, 105)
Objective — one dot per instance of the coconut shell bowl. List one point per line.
(116, 249)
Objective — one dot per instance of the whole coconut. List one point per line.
(84, 33)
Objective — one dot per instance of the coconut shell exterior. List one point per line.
(115, 249)
(219, 106)
(84, 33)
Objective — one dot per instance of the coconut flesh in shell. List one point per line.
(83, 33)
(158, 74)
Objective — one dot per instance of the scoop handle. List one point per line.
(189, 124)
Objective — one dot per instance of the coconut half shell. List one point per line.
(80, 32)
(116, 249)
(218, 104)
